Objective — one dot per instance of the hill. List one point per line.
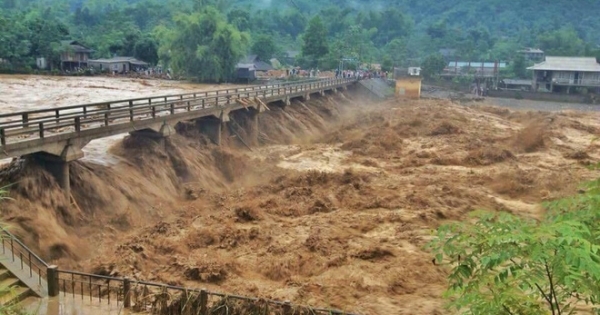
(397, 31)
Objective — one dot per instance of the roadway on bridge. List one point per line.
(32, 131)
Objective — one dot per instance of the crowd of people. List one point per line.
(360, 74)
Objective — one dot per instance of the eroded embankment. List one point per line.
(152, 179)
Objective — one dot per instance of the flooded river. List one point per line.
(27, 92)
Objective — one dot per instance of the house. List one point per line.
(564, 73)
(250, 67)
(118, 64)
(533, 54)
(478, 69)
(245, 72)
(74, 55)
(259, 65)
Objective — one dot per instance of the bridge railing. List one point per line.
(38, 124)
(157, 298)
(20, 256)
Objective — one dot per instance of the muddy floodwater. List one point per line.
(27, 92)
(331, 206)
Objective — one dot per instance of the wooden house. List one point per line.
(118, 64)
(533, 54)
(74, 55)
(561, 74)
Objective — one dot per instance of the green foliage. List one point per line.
(519, 67)
(264, 47)
(387, 63)
(146, 49)
(405, 30)
(433, 65)
(315, 44)
(562, 42)
(202, 45)
(505, 264)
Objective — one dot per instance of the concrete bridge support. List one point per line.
(212, 127)
(159, 131)
(58, 165)
(254, 126)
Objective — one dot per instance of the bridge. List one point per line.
(56, 136)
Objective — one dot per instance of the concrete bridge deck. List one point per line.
(57, 135)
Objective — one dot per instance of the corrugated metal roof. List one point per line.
(263, 66)
(249, 66)
(532, 50)
(584, 64)
(461, 64)
(131, 60)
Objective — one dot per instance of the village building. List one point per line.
(259, 65)
(251, 67)
(245, 72)
(408, 82)
(119, 64)
(562, 74)
(532, 54)
(74, 56)
(477, 69)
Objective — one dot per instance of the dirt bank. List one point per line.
(332, 209)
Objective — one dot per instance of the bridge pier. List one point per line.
(58, 166)
(212, 127)
(164, 130)
(306, 97)
(254, 126)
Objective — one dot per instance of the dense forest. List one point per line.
(210, 36)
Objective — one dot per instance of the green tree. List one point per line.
(14, 44)
(562, 42)
(396, 49)
(387, 64)
(264, 47)
(44, 37)
(239, 18)
(202, 45)
(433, 65)
(519, 67)
(505, 264)
(146, 49)
(315, 45)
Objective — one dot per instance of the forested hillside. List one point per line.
(391, 32)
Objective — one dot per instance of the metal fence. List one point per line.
(157, 298)
(20, 256)
(143, 296)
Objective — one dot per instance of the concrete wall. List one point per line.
(553, 97)
(111, 66)
(408, 87)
